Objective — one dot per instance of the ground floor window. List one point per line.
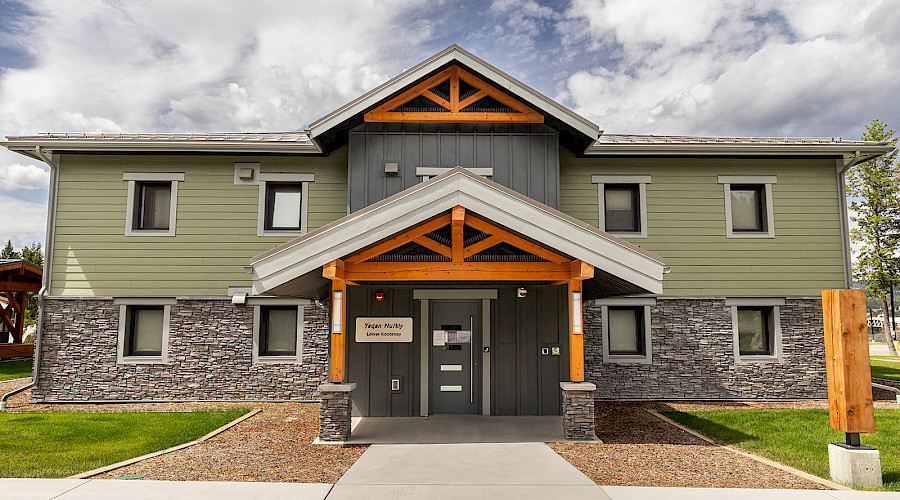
(277, 332)
(143, 330)
(756, 326)
(626, 330)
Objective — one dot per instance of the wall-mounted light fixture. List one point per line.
(391, 168)
(239, 299)
(576, 313)
(337, 311)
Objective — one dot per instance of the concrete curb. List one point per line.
(14, 380)
(130, 461)
(764, 460)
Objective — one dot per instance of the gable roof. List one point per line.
(295, 268)
(557, 114)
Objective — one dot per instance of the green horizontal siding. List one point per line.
(686, 222)
(215, 231)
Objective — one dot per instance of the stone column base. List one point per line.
(860, 467)
(334, 411)
(578, 410)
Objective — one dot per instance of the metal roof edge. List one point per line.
(24, 146)
(453, 52)
(761, 148)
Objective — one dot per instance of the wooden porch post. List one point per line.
(338, 329)
(576, 329)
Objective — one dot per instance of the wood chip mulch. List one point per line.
(640, 450)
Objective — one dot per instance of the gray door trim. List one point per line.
(486, 295)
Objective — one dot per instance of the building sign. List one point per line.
(384, 329)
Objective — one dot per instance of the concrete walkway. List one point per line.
(472, 470)
(109, 489)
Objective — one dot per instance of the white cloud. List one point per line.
(738, 67)
(28, 224)
(18, 176)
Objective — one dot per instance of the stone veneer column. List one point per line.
(334, 411)
(578, 410)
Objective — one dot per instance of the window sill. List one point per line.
(625, 235)
(626, 359)
(750, 359)
(272, 360)
(277, 232)
(751, 235)
(150, 232)
(142, 360)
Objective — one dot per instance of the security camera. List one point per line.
(521, 292)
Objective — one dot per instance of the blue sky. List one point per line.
(701, 67)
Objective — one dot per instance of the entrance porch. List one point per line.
(457, 296)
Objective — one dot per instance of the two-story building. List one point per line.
(450, 242)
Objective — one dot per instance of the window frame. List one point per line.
(262, 212)
(135, 179)
(764, 182)
(258, 303)
(774, 306)
(641, 182)
(627, 303)
(126, 309)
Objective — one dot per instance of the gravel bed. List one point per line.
(640, 450)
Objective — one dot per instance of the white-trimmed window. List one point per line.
(622, 200)
(283, 204)
(143, 330)
(152, 202)
(756, 329)
(748, 206)
(277, 329)
(626, 330)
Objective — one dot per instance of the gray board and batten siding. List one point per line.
(524, 157)
(523, 380)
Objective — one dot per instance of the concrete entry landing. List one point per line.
(461, 471)
(447, 429)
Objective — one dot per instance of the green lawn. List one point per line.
(15, 369)
(44, 444)
(885, 369)
(798, 438)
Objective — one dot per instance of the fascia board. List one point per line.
(498, 77)
(27, 147)
(733, 149)
(279, 268)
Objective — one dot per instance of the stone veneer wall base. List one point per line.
(334, 412)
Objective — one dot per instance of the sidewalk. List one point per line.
(110, 489)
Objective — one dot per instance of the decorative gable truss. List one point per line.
(458, 246)
(454, 96)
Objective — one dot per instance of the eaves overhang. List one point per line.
(295, 267)
(248, 143)
(360, 105)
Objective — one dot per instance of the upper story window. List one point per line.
(748, 206)
(622, 201)
(152, 200)
(284, 206)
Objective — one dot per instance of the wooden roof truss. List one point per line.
(454, 96)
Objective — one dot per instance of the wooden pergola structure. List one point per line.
(17, 277)
(456, 260)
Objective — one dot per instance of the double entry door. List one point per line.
(455, 356)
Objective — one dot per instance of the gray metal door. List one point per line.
(455, 378)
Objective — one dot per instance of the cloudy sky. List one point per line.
(717, 67)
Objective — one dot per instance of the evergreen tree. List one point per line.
(8, 252)
(874, 188)
(33, 254)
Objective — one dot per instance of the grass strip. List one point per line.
(15, 369)
(798, 438)
(50, 444)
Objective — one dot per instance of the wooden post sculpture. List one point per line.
(849, 387)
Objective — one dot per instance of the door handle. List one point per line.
(471, 359)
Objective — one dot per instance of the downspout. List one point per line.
(845, 220)
(45, 277)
